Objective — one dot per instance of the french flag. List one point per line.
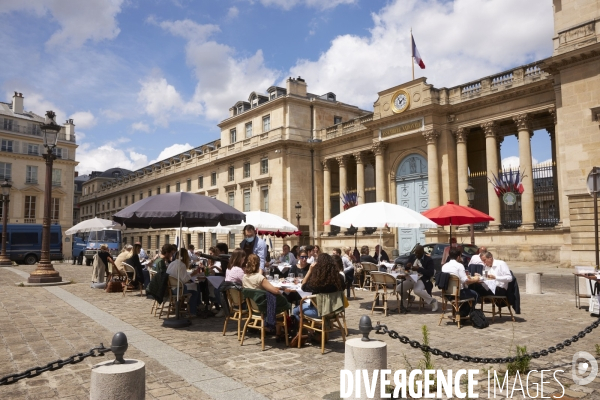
(415, 54)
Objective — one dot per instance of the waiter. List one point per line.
(252, 244)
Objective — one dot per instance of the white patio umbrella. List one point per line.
(216, 229)
(94, 224)
(382, 214)
(264, 221)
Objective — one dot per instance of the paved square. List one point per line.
(39, 325)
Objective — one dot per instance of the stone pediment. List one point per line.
(415, 93)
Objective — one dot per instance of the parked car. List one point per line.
(436, 251)
(24, 244)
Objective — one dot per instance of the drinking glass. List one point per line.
(276, 277)
(269, 278)
(291, 278)
(300, 277)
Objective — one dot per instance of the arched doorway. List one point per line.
(412, 191)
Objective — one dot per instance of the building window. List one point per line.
(124, 240)
(158, 190)
(337, 120)
(247, 170)
(5, 171)
(149, 192)
(188, 185)
(213, 239)
(232, 241)
(264, 201)
(231, 175)
(158, 242)
(246, 200)
(149, 244)
(267, 123)
(119, 202)
(7, 145)
(58, 152)
(167, 239)
(168, 189)
(232, 136)
(126, 199)
(55, 211)
(132, 198)
(248, 130)
(8, 124)
(31, 174)
(177, 187)
(141, 197)
(114, 203)
(231, 199)
(201, 241)
(213, 179)
(29, 207)
(200, 182)
(33, 149)
(264, 166)
(56, 175)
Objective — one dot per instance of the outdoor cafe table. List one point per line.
(594, 281)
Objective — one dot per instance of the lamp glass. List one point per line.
(6, 188)
(470, 193)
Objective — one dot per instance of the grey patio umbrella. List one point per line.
(178, 210)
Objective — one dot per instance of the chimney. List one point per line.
(296, 86)
(69, 130)
(17, 105)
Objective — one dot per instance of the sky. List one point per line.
(147, 79)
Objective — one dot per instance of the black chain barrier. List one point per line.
(54, 365)
(382, 330)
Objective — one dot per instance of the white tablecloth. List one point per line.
(490, 284)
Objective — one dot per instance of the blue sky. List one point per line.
(145, 79)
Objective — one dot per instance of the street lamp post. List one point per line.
(298, 208)
(45, 272)
(4, 259)
(471, 197)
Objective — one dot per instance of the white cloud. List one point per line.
(172, 151)
(93, 158)
(112, 115)
(459, 41)
(232, 13)
(140, 126)
(222, 77)
(83, 119)
(122, 140)
(79, 21)
(513, 162)
(162, 101)
(319, 4)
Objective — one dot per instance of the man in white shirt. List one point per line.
(498, 270)
(286, 256)
(310, 249)
(193, 256)
(476, 259)
(455, 267)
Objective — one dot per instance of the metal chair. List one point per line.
(129, 281)
(324, 324)
(235, 300)
(385, 286)
(453, 291)
(494, 300)
(171, 302)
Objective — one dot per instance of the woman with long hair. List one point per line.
(178, 270)
(234, 272)
(254, 279)
(133, 259)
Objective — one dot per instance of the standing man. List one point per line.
(252, 244)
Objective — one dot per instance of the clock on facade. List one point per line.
(400, 101)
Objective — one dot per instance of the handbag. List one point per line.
(114, 286)
(478, 319)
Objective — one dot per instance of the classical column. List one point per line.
(342, 160)
(552, 132)
(380, 189)
(326, 194)
(523, 122)
(462, 164)
(491, 152)
(360, 177)
(433, 173)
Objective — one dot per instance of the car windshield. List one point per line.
(107, 236)
(470, 249)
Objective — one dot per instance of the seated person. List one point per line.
(286, 256)
(123, 255)
(302, 266)
(348, 267)
(384, 255)
(142, 277)
(455, 267)
(476, 259)
(178, 270)
(106, 258)
(322, 277)
(253, 277)
(365, 257)
(310, 250)
(498, 270)
(422, 264)
(234, 272)
(192, 254)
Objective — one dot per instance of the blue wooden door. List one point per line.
(412, 191)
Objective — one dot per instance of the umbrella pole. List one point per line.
(450, 234)
(177, 322)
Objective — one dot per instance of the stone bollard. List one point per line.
(365, 354)
(119, 379)
(534, 283)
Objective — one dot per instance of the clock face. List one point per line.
(400, 101)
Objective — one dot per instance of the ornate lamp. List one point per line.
(298, 208)
(6, 185)
(471, 197)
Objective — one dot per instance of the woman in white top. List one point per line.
(178, 270)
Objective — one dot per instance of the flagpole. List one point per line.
(412, 57)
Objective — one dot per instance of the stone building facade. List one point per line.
(421, 146)
(22, 163)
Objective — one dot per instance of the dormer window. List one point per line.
(273, 95)
(240, 109)
(337, 120)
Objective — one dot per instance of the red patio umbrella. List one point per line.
(453, 214)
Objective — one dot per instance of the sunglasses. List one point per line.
(303, 257)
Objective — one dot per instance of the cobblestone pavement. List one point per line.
(38, 326)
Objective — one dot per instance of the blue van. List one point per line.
(109, 237)
(79, 246)
(24, 244)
